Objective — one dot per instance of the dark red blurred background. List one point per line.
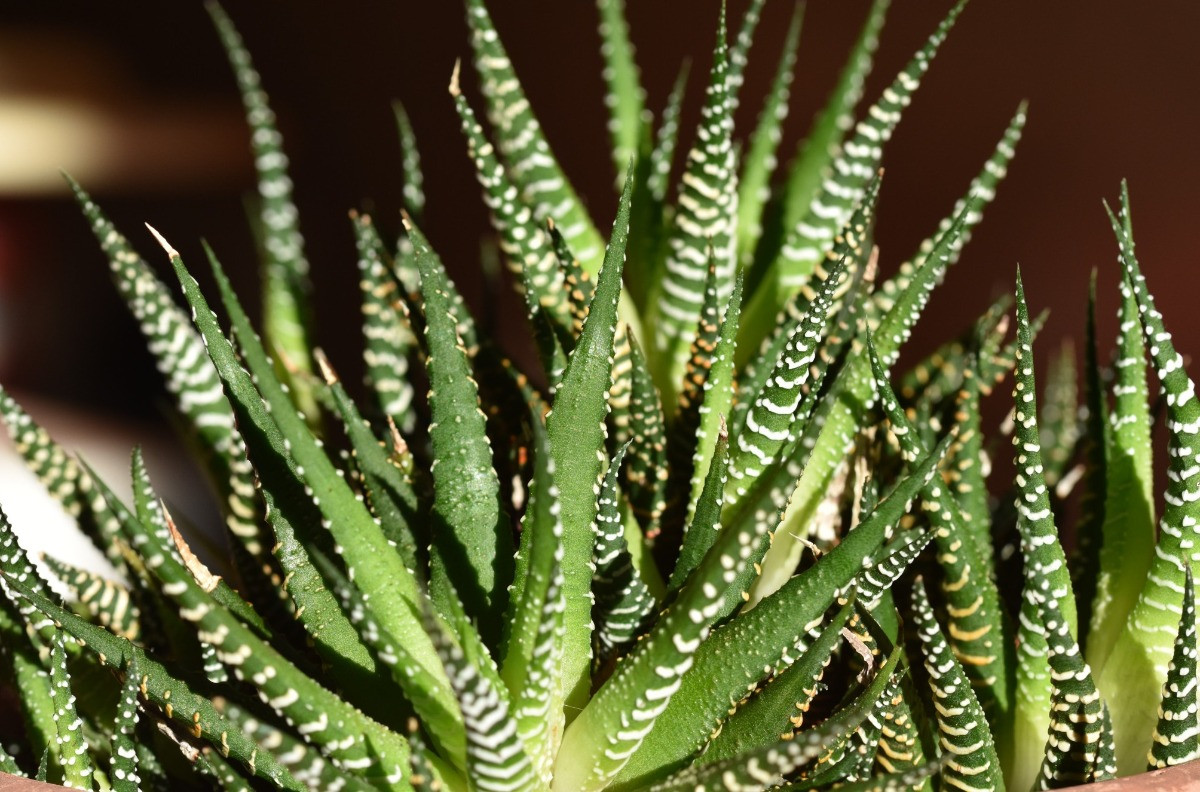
(1111, 85)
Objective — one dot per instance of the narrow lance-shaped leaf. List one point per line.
(624, 97)
(778, 709)
(190, 376)
(759, 162)
(900, 749)
(1075, 747)
(771, 422)
(106, 600)
(59, 474)
(812, 162)
(739, 53)
(577, 432)
(624, 711)
(123, 768)
(410, 164)
(496, 756)
(852, 245)
(622, 601)
(1139, 661)
(1126, 549)
(704, 527)
(705, 217)
(963, 733)
(742, 651)
(982, 191)
(1046, 575)
(286, 286)
(806, 242)
(1059, 417)
(765, 767)
(388, 341)
(165, 691)
(378, 571)
(646, 472)
(976, 624)
(1177, 735)
(523, 241)
(327, 720)
(21, 665)
(666, 139)
(715, 404)
(303, 761)
(890, 563)
(471, 535)
(388, 489)
(532, 665)
(855, 393)
(523, 145)
(71, 750)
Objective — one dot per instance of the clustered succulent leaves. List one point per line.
(717, 541)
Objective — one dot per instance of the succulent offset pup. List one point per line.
(715, 543)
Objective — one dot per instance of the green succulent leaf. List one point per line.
(1046, 579)
(496, 755)
(71, 750)
(388, 341)
(286, 286)
(779, 708)
(977, 633)
(1140, 658)
(190, 377)
(705, 525)
(622, 600)
(524, 243)
(1177, 735)
(854, 394)
(108, 601)
(472, 546)
(1075, 748)
(1127, 533)
(759, 162)
(662, 156)
(410, 163)
(123, 768)
(775, 416)
(739, 653)
(963, 733)
(519, 137)
(646, 471)
(532, 666)
(739, 53)
(813, 161)
(716, 403)
(705, 217)
(805, 242)
(576, 426)
(165, 691)
(625, 97)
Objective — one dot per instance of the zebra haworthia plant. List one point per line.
(714, 543)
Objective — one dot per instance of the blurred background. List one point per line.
(137, 101)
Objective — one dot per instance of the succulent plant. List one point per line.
(715, 542)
